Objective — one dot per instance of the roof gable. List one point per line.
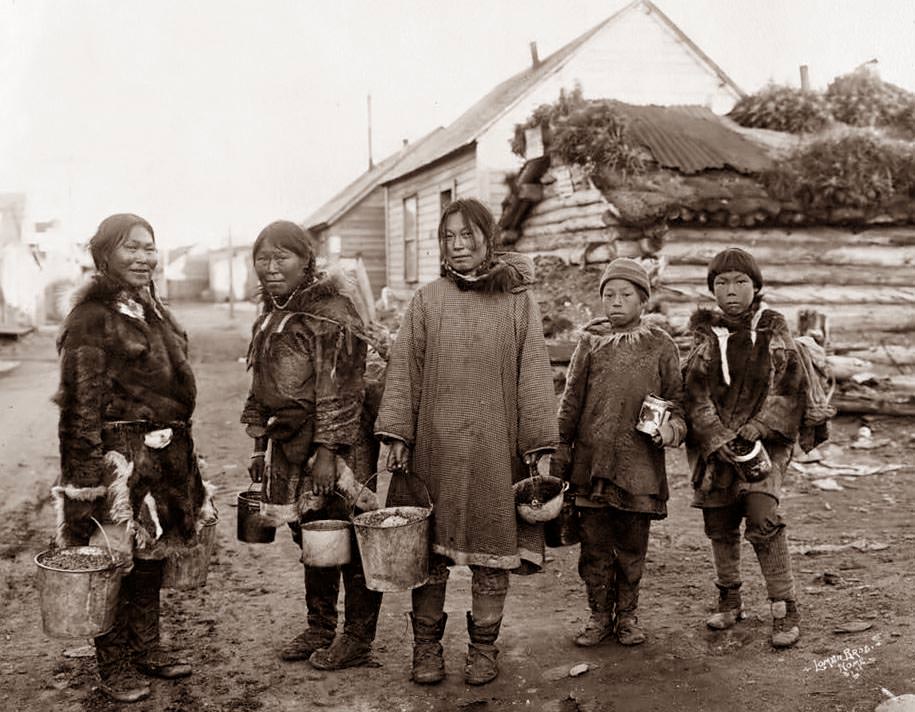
(470, 125)
(352, 194)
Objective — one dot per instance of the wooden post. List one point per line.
(231, 277)
(805, 78)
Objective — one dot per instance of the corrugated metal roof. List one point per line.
(692, 139)
(472, 123)
(338, 205)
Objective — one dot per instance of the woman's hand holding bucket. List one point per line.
(398, 456)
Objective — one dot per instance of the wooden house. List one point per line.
(638, 55)
(351, 225)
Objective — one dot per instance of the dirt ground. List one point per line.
(253, 600)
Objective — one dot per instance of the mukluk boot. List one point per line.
(598, 628)
(786, 622)
(352, 648)
(428, 656)
(119, 679)
(149, 657)
(730, 608)
(322, 586)
(481, 666)
(628, 631)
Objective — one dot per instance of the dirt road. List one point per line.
(253, 600)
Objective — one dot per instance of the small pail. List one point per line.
(187, 568)
(326, 542)
(394, 546)
(251, 527)
(78, 596)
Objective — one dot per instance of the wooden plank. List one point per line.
(553, 241)
(875, 401)
(788, 294)
(815, 274)
(572, 225)
(593, 211)
(805, 236)
(571, 200)
(796, 254)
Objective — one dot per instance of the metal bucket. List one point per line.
(394, 547)
(77, 603)
(187, 568)
(251, 527)
(326, 542)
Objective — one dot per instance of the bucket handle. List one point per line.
(396, 471)
(107, 540)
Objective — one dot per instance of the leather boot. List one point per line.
(730, 608)
(322, 586)
(598, 628)
(428, 656)
(119, 680)
(353, 647)
(481, 666)
(628, 631)
(144, 584)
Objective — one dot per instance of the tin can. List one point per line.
(755, 465)
(654, 413)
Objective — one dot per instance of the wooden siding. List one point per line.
(361, 233)
(458, 172)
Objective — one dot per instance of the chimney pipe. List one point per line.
(805, 78)
(535, 57)
(405, 142)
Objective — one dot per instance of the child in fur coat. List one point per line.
(744, 383)
(617, 472)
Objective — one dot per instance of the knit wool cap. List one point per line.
(630, 270)
(733, 259)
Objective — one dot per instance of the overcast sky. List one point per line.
(213, 115)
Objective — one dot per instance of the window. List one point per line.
(411, 239)
(444, 199)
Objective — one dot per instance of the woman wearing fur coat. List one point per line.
(312, 434)
(126, 398)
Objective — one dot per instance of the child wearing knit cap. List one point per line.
(744, 383)
(617, 472)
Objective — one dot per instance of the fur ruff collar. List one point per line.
(510, 272)
(602, 333)
(706, 321)
(325, 284)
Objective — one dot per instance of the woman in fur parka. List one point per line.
(744, 382)
(126, 398)
(311, 433)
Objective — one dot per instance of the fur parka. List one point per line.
(126, 397)
(740, 371)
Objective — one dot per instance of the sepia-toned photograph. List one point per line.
(497, 356)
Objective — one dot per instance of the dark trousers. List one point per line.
(136, 624)
(764, 529)
(322, 585)
(613, 548)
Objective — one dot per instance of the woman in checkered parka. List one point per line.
(468, 404)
